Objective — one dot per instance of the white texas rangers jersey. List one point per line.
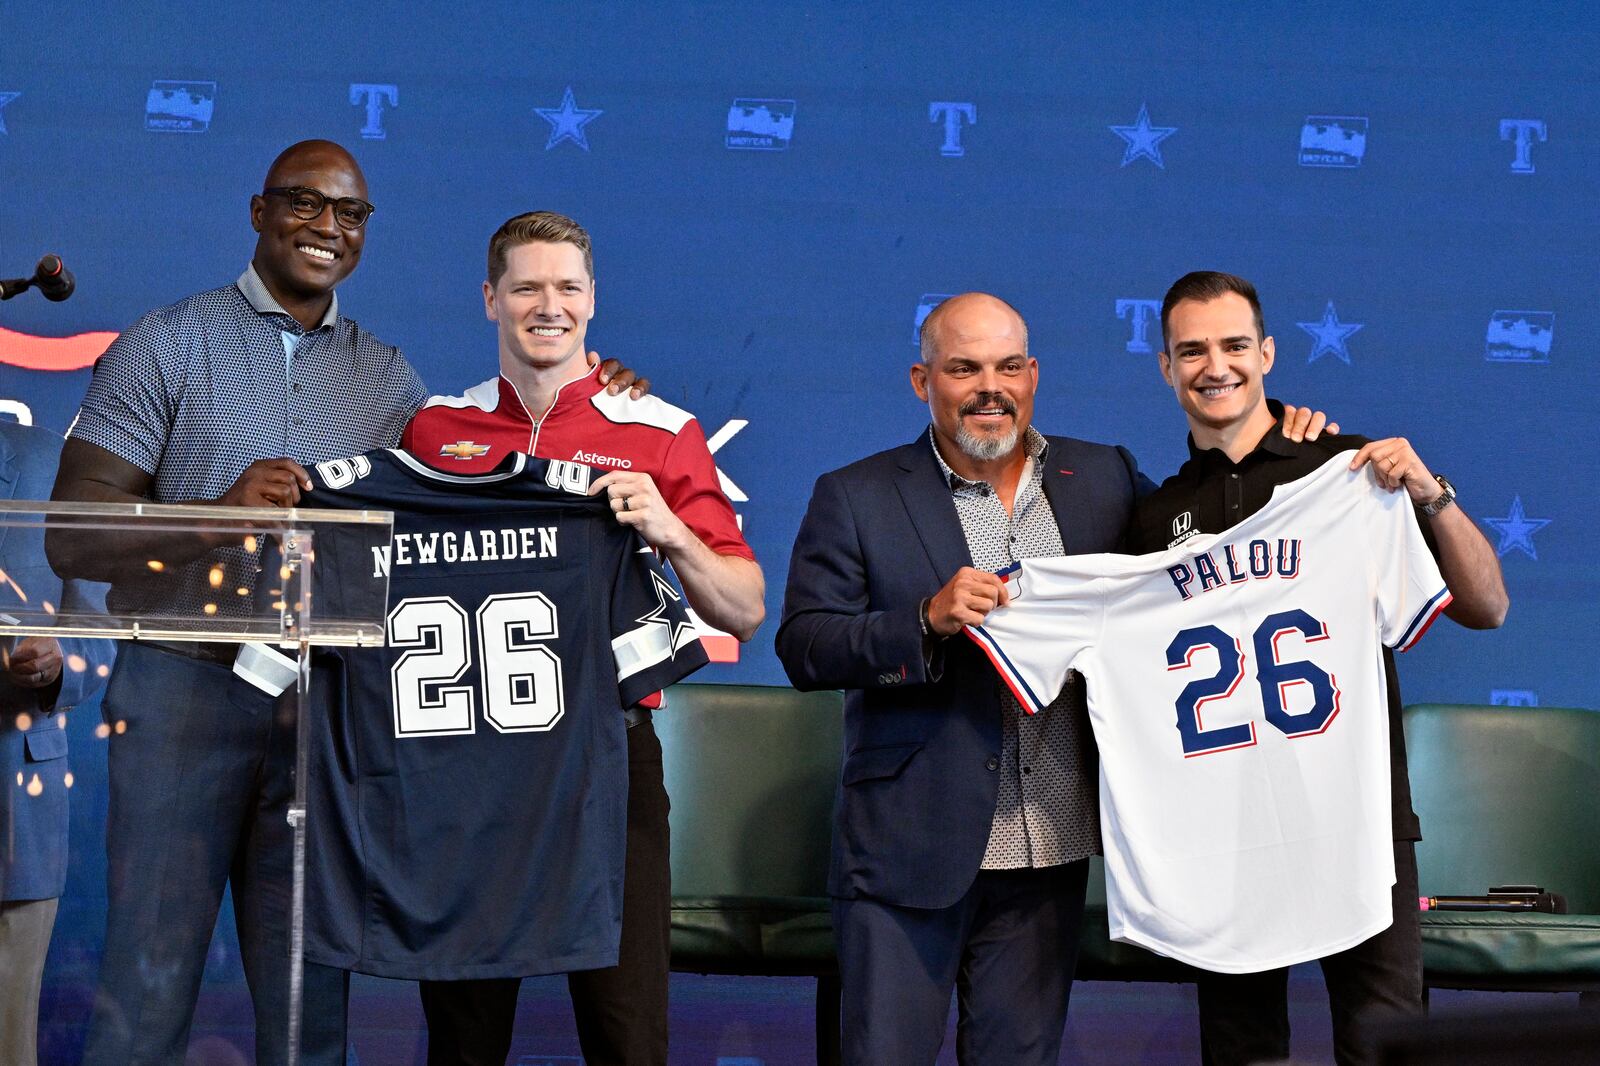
(1237, 692)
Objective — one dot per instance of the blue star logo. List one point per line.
(1516, 530)
(1330, 335)
(6, 98)
(680, 630)
(567, 121)
(1144, 140)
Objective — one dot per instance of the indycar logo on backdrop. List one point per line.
(180, 106)
(1524, 131)
(1519, 337)
(374, 96)
(1142, 140)
(1333, 141)
(6, 98)
(760, 125)
(951, 115)
(567, 121)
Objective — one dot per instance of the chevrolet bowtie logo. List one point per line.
(464, 449)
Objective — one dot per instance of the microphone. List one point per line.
(1542, 902)
(52, 278)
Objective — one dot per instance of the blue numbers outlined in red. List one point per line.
(1275, 677)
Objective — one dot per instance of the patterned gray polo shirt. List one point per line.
(1045, 813)
(195, 392)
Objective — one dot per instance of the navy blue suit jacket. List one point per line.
(917, 791)
(33, 827)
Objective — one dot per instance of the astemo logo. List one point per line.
(596, 459)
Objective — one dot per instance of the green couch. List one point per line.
(1508, 795)
(1505, 795)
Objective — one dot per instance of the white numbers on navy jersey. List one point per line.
(427, 703)
(1277, 679)
(569, 477)
(520, 677)
(342, 473)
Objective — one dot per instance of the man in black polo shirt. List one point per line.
(1216, 356)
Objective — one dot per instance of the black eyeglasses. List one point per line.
(308, 204)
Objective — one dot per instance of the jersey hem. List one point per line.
(1294, 958)
(401, 971)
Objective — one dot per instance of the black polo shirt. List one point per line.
(1211, 492)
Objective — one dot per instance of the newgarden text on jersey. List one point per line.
(471, 546)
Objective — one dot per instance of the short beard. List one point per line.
(986, 449)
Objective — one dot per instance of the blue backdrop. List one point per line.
(777, 191)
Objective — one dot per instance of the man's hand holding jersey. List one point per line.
(966, 600)
(1468, 562)
(726, 590)
(1396, 463)
(637, 503)
(268, 483)
(34, 663)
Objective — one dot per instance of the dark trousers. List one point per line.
(200, 774)
(1244, 1018)
(1008, 948)
(621, 1011)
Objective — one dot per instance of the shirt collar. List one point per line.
(1273, 446)
(572, 391)
(1033, 443)
(256, 294)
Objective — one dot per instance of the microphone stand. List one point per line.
(10, 287)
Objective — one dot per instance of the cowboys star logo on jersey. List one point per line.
(680, 631)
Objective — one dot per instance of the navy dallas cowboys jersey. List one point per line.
(468, 785)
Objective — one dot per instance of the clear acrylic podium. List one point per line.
(216, 578)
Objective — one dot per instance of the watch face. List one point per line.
(1446, 497)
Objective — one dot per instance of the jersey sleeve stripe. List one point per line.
(1419, 625)
(266, 668)
(1008, 673)
(641, 648)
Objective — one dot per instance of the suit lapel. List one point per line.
(1061, 489)
(8, 479)
(932, 511)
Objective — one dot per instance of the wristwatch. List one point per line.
(1446, 497)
